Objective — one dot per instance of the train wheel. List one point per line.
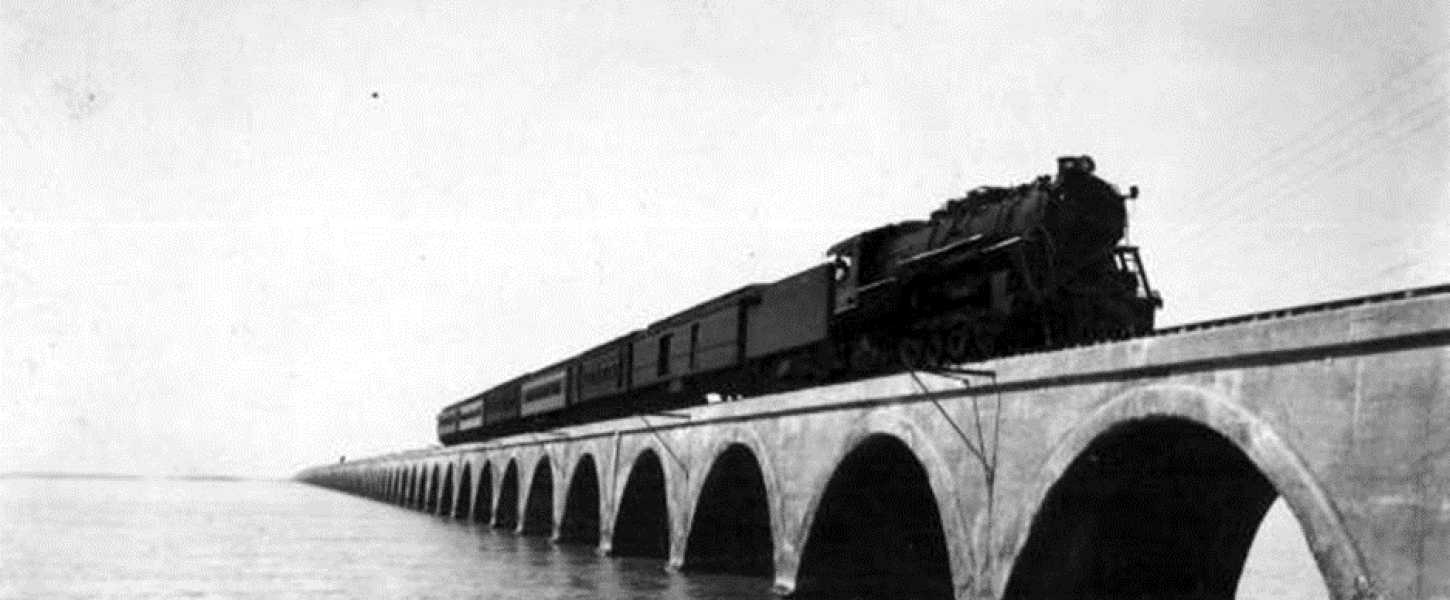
(936, 354)
(864, 355)
(959, 343)
(984, 340)
(912, 352)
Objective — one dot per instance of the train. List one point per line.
(998, 271)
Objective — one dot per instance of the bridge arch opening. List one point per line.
(731, 530)
(539, 508)
(483, 499)
(580, 523)
(445, 497)
(416, 493)
(405, 492)
(1158, 506)
(405, 485)
(506, 516)
(434, 482)
(642, 527)
(415, 488)
(877, 531)
(464, 509)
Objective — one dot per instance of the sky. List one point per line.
(247, 237)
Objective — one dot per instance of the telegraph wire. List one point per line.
(1236, 195)
(1251, 199)
(1294, 181)
(1298, 184)
(1347, 156)
(1269, 161)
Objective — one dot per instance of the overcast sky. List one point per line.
(247, 237)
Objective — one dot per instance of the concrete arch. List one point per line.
(405, 486)
(583, 510)
(1338, 559)
(747, 437)
(730, 528)
(416, 493)
(483, 497)
(642, 524)
(430, 497)
(446, 492)
(616, 473)
(506, 510)
(401, 497)
(946, 489)
(625, 468)
(463, 508)
(400, 484)
(538, 516)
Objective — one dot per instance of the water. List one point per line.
(73, 538)
(139, 538)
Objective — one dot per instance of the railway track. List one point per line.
(1257, 317)
(1294, 311)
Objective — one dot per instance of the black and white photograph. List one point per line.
(703, 300)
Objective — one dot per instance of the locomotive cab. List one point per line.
(845, 260)
(862, 269)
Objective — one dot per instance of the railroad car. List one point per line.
(998, 271)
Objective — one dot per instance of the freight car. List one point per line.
(1001, 270)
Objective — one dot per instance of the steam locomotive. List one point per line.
(999, 271)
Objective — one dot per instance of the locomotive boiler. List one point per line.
(1001, 270)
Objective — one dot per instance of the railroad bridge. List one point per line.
(1136, 468)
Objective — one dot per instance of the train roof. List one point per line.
(746, 292)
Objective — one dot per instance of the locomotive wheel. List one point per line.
(984, 341)
(959, 343)
(912, 352)
(935, 349)
(865, 355)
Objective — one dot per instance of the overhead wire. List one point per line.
(1431, 112)
(1293, 180)
(1281, 178)
(1270, 162)
(1288, 189)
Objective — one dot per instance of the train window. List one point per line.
(662, 360)
(694, 343)
(842, 267)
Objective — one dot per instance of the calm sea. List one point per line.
(157, 538)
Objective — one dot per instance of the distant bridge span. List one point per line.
(1140, 467)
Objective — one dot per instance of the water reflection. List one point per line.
(160, 538)
(535, 567)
